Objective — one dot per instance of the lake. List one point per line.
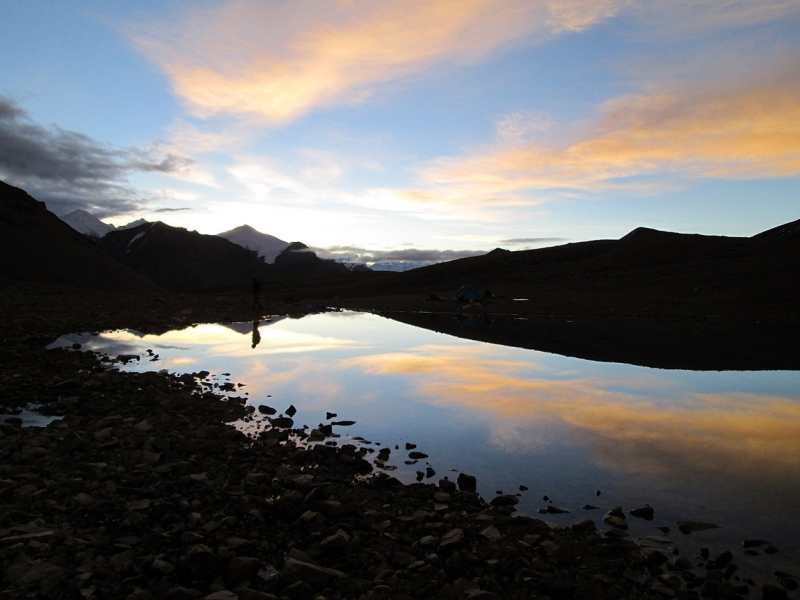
(712, 446)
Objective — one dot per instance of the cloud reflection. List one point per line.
(645, 425)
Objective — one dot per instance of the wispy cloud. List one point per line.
(746, 130)
(363, 255)
(70, 170)
(277, 61)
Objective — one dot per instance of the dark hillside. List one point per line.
(183, 261)
(37, 246)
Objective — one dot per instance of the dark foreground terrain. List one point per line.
(142, 491)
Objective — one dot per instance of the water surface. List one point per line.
(707, 446)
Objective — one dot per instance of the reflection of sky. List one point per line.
(718, 446)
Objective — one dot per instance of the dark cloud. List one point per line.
(543, 240)
(415, 255)
(167, 210)
(70, 170)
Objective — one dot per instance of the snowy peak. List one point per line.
(86, 223)
(268, 247)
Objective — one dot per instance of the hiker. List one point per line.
(256, 333)
(256, 292)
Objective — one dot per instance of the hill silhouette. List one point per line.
(36, 246)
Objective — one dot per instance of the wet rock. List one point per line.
(754, 543)
(646, 513)
(687, 527)
(554, 510)
(770, 549)
(429, 472)
(584, 525)
(343, 423)
(616, 512)
(613, 519)
(723, 559)
(417, 455)
(266, 410)
(467, 483)
(589, 507)
(447, 485)
(505, 500)
(282, 422)
(291, 411)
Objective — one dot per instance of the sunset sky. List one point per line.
(400, 125)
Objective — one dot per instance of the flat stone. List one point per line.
(452, 539)
(316, 576)
(690, 526)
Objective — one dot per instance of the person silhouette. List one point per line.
(256, 287)
(256, 334)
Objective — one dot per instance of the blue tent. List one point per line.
(466, 293)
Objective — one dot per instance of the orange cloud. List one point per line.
(278, 61)
(741, 133)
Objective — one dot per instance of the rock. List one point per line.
(201, 563)
(417, 455)
(770, 549)
(319, 577)
(410, 446)
(589, 507)
(654, 557)
(585, 525)
(646, 513)
(452, 539)
(504, 500)
(84, 499)
(266, 410)
(523, 488)
(615, 522)
(492, 534)
(754, 543)
(723, 559)
(291, 411)
(343, 423)
(616, 512)
(659, 538)
(299, 590)
(688, 527)
(282, 422)
(26, 572)
(447, 485)
(222, 595)
(554, 510)
(181, 593)
(336, 542)
(330, 415)
(442, 497)
(772, 592)
(429, 472)
(467, 483)
(241, 569)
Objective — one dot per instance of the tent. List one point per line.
(466, 293)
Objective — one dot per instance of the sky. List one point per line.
(400, 126)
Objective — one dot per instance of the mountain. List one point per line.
(37, 246)
(133, 224)
(298, 261)
(86, 223)
(182, 261)
(266, 246)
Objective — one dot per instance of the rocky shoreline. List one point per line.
(142, 490)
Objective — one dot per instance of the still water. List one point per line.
(722, 447)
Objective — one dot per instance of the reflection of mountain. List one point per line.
(247, 328)
(35, 245)
(704, 346)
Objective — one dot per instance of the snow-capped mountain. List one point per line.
(133, 224)
(86, 223)
(266, 246)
